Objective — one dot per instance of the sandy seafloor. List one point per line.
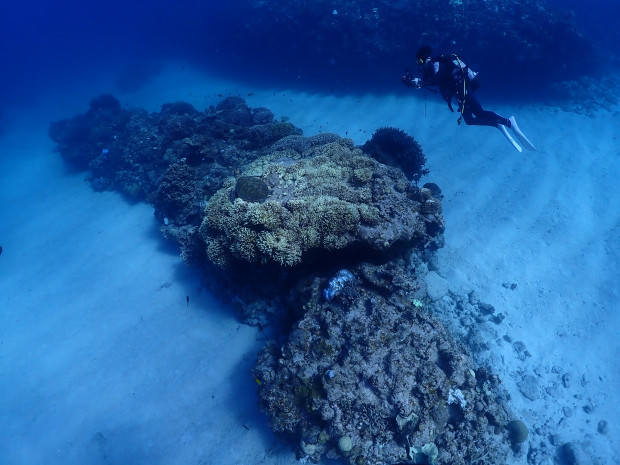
(102, 361)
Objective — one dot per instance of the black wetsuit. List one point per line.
(474, 114)
(455, 79)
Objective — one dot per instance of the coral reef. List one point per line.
(130, 150)
(376, 380)
(176, 158)
(517, 430)
(364, 40)
(585, 95)
(87, 136)
(327, 198)
(251, 189)
(326, 250)
(395, 147)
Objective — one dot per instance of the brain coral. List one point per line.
(251, 189)
(324, 195)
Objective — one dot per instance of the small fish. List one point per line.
(187, 300)
(258, 381)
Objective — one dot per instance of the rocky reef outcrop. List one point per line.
(130, 150)
(372, 377)
(175, 158)
(395, 147)
(360, 43)
(326, 248)
(324, 196)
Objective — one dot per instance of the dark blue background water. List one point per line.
(596, 18)
(45, 42)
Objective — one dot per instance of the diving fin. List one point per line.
(524, 140)
(502, 128)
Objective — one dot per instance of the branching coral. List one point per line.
(395, 147)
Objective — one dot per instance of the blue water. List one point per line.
(595, 20)
(51, 45)
(44, 42)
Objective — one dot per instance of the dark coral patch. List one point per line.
(251, 189)
(395, 147)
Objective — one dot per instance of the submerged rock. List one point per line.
(365, 373)
(251, 189)
(395, 147)
(330, 198)
(368, 40)
(373, 379)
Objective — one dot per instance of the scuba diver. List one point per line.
(455, 79)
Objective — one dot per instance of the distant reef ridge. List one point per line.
(363, 42)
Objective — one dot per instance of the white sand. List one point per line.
(102, 361)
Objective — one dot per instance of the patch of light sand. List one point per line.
(101, 359)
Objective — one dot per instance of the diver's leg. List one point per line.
(474, 114)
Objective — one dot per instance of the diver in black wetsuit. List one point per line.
(455, 79)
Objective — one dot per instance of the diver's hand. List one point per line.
(410, 81)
